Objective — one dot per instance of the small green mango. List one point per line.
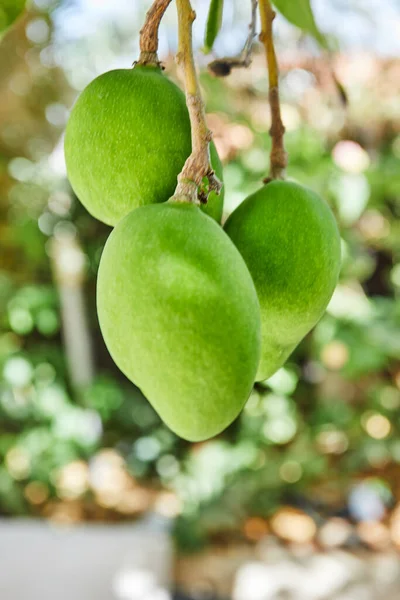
(180, 316)
(126, 141)
(289, 239)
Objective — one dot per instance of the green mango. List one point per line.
(289, 239)
(180, 316)
(126, 141)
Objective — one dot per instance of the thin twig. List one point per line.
(197, 166)
(149, 33)
(246, 52)
(223, 66)
(279, 157)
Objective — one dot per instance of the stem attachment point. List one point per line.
(197, 167)
(149, 33)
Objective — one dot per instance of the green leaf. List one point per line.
(214, 22)
(299, 13)
(9, 11)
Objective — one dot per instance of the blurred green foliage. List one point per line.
(214, 22)
(9, 11)
(301, 15)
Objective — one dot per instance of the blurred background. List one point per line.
(300, 498)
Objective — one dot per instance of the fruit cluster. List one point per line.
(191, 312)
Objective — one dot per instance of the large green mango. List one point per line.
(290, 241)
(127, 139)
(180, 316)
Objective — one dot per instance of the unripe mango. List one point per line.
(290, 241)
(180, 316)
(127, 139)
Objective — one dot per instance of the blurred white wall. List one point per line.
(44, 561)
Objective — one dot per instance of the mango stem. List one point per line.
(149, 33)
(278, 156)
(198, 165)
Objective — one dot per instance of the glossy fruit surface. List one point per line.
(180, 316)
(290, 241)
(127, 140)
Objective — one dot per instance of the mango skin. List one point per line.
(290, 241)
(126, 141)
(180, 316)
